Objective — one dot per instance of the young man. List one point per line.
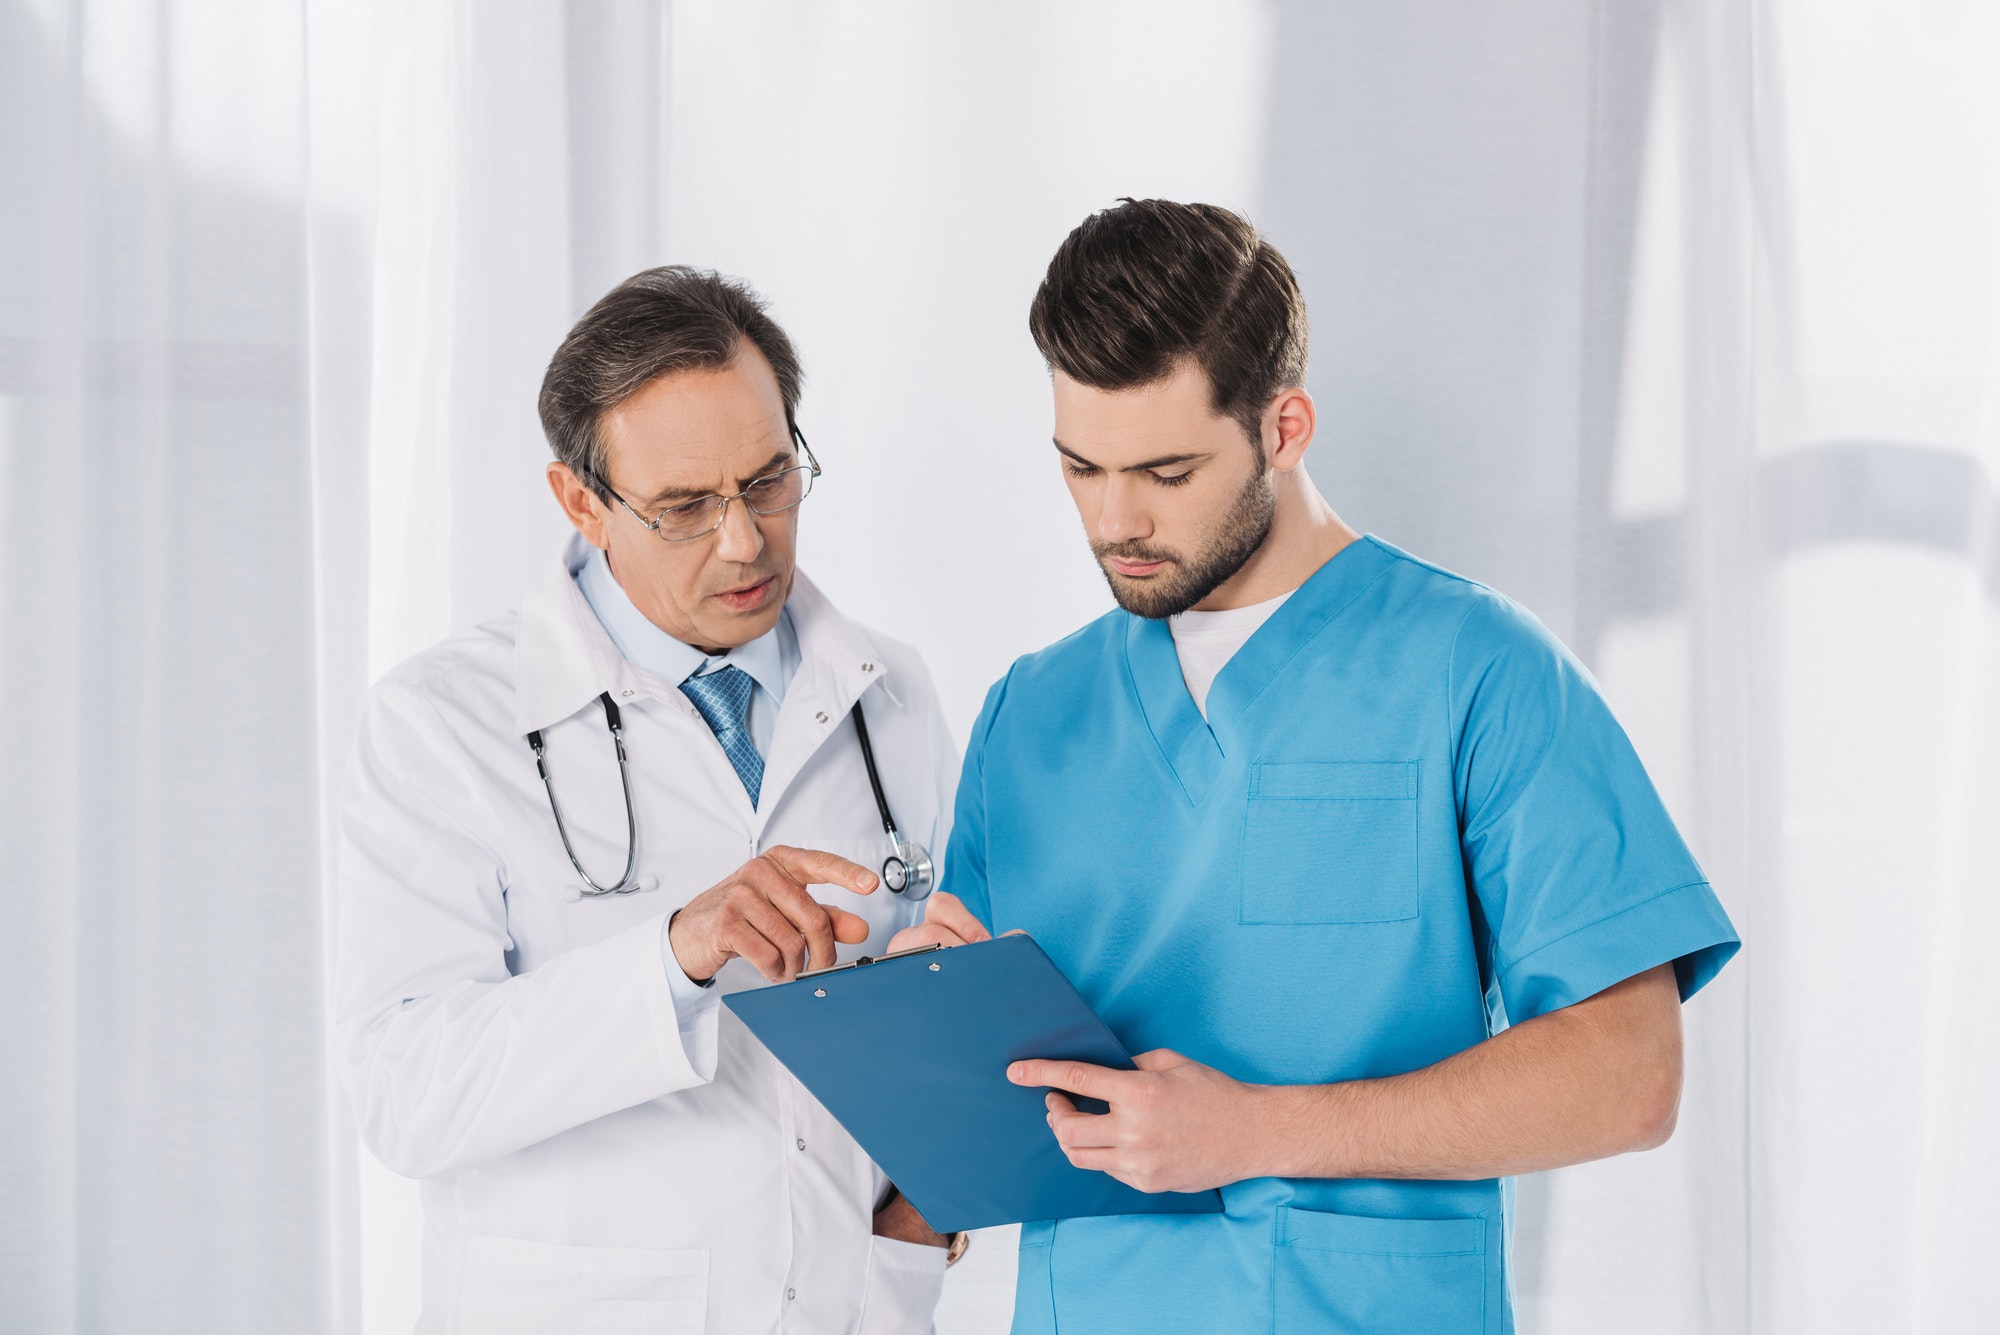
(1347, 846)
(567, 831)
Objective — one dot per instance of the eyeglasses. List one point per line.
(771, 494)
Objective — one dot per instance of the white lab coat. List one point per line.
(592, 1160)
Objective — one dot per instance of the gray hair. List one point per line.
(655, 323)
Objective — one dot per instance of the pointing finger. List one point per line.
(809, 866)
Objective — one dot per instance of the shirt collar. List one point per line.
(768, 659)
(564, 658)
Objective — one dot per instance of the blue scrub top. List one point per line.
(1408, 819)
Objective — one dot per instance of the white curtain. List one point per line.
(1676, 319)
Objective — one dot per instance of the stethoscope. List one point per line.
(907, 871)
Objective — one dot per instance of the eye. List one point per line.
(1078, 470)
(1173, 479)
(687, 509)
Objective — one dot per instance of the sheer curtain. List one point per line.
(1674, 319)
(162, 1125)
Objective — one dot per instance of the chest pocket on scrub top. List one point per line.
(1330, 842)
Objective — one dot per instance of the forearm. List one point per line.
(1593, 1080)
(481, 1069)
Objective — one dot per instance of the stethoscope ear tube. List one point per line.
(907, 871)
(591, 889)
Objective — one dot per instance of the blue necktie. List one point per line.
(724, 701)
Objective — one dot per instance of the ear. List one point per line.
(1289, 423)
(581, 505)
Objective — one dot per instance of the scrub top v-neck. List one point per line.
(1407, 820)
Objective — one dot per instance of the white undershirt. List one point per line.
(1205, 641)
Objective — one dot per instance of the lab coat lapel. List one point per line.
(1191, 750)
(562, 658)
(837, 664)
(1310, 610)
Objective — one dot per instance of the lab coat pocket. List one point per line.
(1367, 1276)
(514, 1286)
(905, 1280)
(1330, 842)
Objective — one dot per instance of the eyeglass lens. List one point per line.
(771, 494)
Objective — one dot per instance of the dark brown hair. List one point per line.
(1136, 289)
(654, 323)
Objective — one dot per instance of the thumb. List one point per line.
(948, 911)
(849, 928)
(1159, 1059)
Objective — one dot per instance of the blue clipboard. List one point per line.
(909, 1052)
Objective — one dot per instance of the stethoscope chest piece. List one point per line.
(908, 871)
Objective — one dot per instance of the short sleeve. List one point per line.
(965, 855)
(1578, 871)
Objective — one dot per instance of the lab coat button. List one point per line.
(867, 667)
(627, 694)
(821, 716)
(791, 1294)
(802, 1143)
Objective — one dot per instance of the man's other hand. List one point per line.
(1174, 1124)
(762, 913)
(947, 922)
(899, 1220)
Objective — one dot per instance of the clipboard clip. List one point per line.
(867, 960)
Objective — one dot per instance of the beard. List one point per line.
(1185, 582)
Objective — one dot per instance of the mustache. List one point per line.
(1132, 550)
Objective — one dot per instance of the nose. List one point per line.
(738, 539)
(1120, 515)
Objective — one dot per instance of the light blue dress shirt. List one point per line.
(771, 660)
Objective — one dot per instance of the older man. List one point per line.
(567, 830)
